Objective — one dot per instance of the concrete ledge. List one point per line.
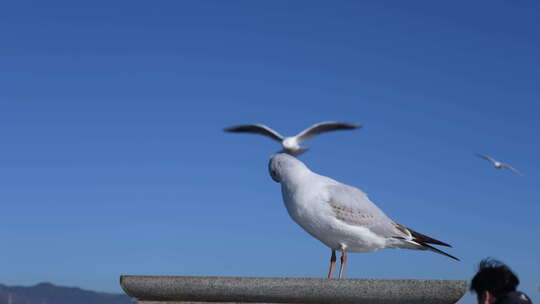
(175, 289)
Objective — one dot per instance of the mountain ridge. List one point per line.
(48, 293)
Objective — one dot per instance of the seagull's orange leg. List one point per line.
(332, 264)
(343, 262)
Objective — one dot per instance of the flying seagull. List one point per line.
(498, 164)
(291, 145)
(341, 216)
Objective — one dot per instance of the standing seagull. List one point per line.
(340, 216)
(498, 164)
(291, 145)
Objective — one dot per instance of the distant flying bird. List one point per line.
(498, 164)
(291, 145)
(341, 216)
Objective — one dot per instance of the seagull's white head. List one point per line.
(282, 165)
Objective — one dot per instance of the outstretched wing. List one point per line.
(322, 127)
(486, 157)
(507, 166)
(257, 129)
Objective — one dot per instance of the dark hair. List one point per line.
(495, 277)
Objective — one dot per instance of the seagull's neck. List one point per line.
(293, 177)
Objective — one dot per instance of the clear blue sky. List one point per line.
(113, 159)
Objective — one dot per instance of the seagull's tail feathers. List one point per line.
(301, 150)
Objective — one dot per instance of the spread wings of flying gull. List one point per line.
(291, 145)
(497, 164)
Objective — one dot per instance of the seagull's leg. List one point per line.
(332, 264)
(343, 262)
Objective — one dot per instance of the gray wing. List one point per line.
(352, 206)
(486, 157)
(258, 129)
(322, 127)
(507, 166)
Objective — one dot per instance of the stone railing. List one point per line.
(174, 289)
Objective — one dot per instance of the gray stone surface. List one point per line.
(176, 289)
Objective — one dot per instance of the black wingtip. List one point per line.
(422, 238)
(428, 247)
(238, 128)
(352, 126)
(483, 156)
(342, 125)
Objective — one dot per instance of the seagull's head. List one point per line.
(290, 143)
(282, 164)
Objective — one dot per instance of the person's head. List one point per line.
(493, 281)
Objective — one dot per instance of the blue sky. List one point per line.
(113, 159)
